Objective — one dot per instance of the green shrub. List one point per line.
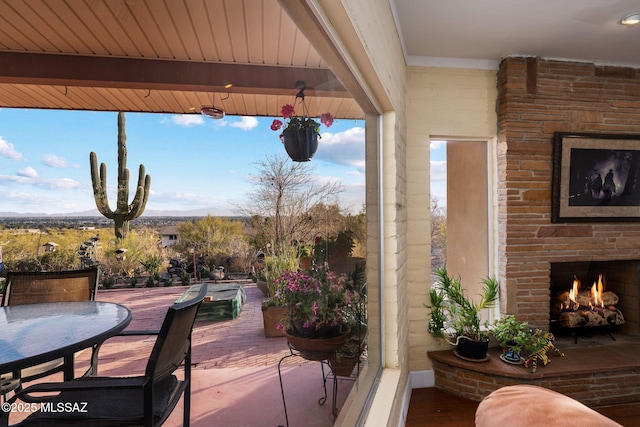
(108, 282)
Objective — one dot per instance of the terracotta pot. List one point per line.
(343, 366)
(271, 317)
(317, 348)
(300, 144)
(305, 263)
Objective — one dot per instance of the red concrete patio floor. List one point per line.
(235, 368)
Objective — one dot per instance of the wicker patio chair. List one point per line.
(41, 287)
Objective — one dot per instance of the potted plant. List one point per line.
(348, 356)
(316, 302)
(300, 134)
(512, 336)
(456, 317)
(305, 255)
(272, 308)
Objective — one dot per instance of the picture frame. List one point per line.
(596, 177)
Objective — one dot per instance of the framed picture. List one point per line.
(596, 177)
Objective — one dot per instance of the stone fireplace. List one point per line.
(536, 98)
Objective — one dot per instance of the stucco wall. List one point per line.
(441, 104)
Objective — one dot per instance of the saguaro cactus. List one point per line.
(124, 212)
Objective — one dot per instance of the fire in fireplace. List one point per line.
(590, 307)
(620, 277)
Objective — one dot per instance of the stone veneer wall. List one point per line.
(537, 97)
(593, 389)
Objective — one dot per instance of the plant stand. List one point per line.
(324, 359)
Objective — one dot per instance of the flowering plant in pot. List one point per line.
(316, 303)
(300, 133)
(456, 317)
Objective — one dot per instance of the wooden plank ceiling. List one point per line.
(170, 56)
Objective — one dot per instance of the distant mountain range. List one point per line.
(94, 212)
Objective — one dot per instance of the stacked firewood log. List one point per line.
(581, 313)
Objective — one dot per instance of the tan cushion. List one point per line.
(529, 406)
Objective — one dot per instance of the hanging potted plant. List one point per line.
(455, 317)
(300, 134)
(316, 302)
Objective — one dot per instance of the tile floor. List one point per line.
(235, 368)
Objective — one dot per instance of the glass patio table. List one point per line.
(31, 334)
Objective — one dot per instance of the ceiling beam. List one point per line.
(138, 73)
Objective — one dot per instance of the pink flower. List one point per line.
(287, 111)
(277, 124)
(314, 308)
(326, 119)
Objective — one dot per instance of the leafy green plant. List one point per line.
(304, 250)
(511, 333)
(453, 313)
(108, 282)
(274, 266)
(152, 265)
(356, 314)
(185, 279)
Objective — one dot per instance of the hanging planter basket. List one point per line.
(300, 143)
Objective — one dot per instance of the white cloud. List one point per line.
(28, 172)
(187, 119)
(438, 170)
(179, 198)
(11, 179)
(8, 151)
(54, 161)
(343, 148)
(434, 145)
(245, 123)
(56, 184)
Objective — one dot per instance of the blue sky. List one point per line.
(194, 161)
(439, 171)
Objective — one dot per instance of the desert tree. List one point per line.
(282, 201)
(438, 233)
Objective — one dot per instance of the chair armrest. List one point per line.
(93, 369)
(138, 332)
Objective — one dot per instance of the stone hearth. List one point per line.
(595, 371)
